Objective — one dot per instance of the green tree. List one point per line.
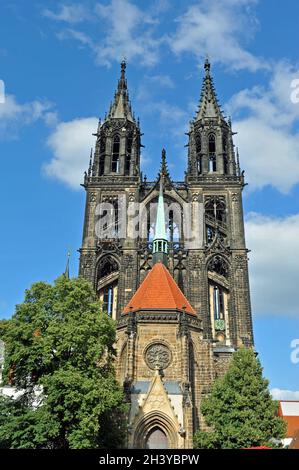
(240, 409)
(59, 351)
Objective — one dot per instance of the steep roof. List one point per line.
(159, 291)
(208, 105)
(121, 107)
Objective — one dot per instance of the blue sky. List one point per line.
(60, 63)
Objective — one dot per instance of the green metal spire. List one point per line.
(160, 243)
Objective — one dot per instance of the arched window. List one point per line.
(129, 144)
(107, 282)
(212, 144)
(115, 154)
(219, 266)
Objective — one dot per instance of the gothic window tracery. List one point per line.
(219, 266)
(215, 210)
(107, 284)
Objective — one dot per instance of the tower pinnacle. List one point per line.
(208, 105)
(121, 106)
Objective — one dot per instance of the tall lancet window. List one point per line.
(129, 144)
(212, 153)
(115, 154)
(198, 154)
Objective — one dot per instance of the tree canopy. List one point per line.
(240, 409)
(59, 354)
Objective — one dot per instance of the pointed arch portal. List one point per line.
(155, 430)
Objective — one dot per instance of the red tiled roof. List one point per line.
(159, 291)
(289, 411)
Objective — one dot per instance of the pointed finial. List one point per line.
(207, 65)
(163, 168)
(123, 66)
(122, 81)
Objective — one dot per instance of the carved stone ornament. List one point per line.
(158, 355)
(93, 197)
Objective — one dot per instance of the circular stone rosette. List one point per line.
(158, 355)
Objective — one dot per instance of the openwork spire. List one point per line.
(208, 105)
(163, 167)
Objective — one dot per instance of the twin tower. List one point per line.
(169, 262)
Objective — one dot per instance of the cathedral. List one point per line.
(169, 262)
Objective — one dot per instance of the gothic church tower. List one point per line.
(181, 301)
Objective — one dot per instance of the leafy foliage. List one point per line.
(240, 409)
(59, 341)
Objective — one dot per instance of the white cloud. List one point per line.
(125, 31)
(218, 28)
(273, 265)
(162, 80)
(15, 115)
(75, 13)
(70, 143)
(268, 137)
(129, 33)
(279, 394)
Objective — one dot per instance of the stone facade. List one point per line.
(212, 273)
